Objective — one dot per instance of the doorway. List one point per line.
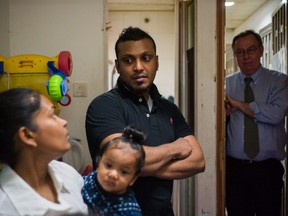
(269, 19)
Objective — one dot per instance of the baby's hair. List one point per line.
(132, 136)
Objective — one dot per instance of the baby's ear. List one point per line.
(27, 136)
(133, 180)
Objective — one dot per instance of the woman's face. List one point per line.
(51, 136)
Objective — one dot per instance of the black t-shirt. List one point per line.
(112, 111)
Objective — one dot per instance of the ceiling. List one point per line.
(238, 13)
(235, 15)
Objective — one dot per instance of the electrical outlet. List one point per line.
(80, 89)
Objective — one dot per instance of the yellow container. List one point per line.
(27, 71)
(36, 81)
(28, 63)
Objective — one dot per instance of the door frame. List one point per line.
(220, 119)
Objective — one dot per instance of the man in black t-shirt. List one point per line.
(172, 152)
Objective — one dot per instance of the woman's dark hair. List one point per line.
(135, 138)
(246, 33)
(132, 34)
(17, 108)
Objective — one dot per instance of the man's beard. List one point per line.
(141, 90)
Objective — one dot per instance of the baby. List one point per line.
(108, 189)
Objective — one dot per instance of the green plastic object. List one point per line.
(55, 87)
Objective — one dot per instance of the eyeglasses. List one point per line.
(250, 51)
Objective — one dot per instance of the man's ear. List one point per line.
(27, 136)
(117, 65)
(157, 62)
(261, 50)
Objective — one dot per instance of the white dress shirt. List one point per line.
(17, 198)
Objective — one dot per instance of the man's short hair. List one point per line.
(132, 34)
(244, 34)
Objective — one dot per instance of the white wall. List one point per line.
(4, 30)
(48, 27)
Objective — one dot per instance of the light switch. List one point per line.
(80, 89)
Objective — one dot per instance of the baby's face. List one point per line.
(117, 169)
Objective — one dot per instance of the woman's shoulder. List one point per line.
(6, 206)
(63, 170)
(55, 164)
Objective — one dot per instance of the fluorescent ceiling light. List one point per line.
(229, 3)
